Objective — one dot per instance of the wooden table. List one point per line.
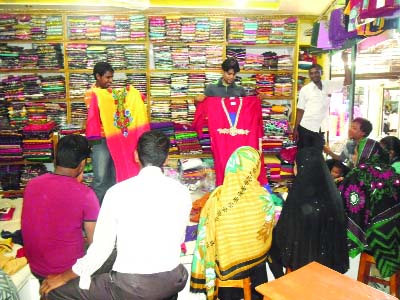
(317, 282)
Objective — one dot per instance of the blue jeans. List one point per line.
(103, 169)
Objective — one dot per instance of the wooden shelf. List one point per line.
(32, 70)
(21, 162)
(105, 43)
(12, 192)
(230, 45)
(265, 72)
(32, 41)
(278, 98)
(182, 156)
(180, 43)
(130, 71)
(189, 71)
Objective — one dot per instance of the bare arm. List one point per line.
(328, 151)
(89, 230)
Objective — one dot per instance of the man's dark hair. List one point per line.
(71, 150)
(365, 125)
(391, 143)
(153, 147)
(101, 68)
(230, 63)
(316, 66)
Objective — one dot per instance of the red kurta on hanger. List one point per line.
(232, 123)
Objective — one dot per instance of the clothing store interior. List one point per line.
(199, 150)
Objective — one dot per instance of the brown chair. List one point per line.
(244, 284)
(364, 276)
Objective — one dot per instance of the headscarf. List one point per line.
(312, 225)
(235, 228)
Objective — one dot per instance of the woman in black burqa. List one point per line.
(312, 225)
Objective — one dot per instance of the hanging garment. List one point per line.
(371, 196)
(379, 8)
(124, 118)
(240, 206)
(338, 33)
(232, 123)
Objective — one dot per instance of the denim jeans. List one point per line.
(103, 169)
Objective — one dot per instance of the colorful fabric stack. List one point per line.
(179, 111)
(272, 144)
(32, 87)
(212, 77)
(196, 84)
(285, 62)
(78, 114)
(70, 129)
(273, 167)
(36, 112)
(139, 81)
(160, 85)
(25, 27)
(253, 61)
(265, 84)
(13, 88)
(179, 85)
(188, 29)
(10, 145)
(95, 53)
(160, 110)
(77, 58)
(173, 28)
(53, 87)
(283, 85)
(205, 140)
(10, 177)
(213, 56)
(180, 57)
(17, 114)
(3, 109)
(107, 28)
(28, 58)
(38, 142)
(50, 56)
(202, 29)
(163, 58)
(250, 31)
(122, 28)
(187, 140)
(77, 28)
(29, 172)
(217, 29)
(57, 112)
(78, 84)
(116, 57)
(238, 53)
(136, 57)
(168, 129)
(137, 28)
(54, 29)
(9, 57)
(157, 29)
(191, 170)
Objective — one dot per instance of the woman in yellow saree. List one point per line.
(235, 229)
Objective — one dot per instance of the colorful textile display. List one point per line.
(242, 206)
(124, 118)
(371, 193)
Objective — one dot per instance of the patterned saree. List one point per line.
(371, 196)
(235, 227)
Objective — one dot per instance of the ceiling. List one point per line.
(226, 7)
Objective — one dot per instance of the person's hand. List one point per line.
(199, 98)
(295, 135)
(51, 282)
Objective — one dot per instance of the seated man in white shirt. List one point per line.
(146, 215)
(312, 112)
